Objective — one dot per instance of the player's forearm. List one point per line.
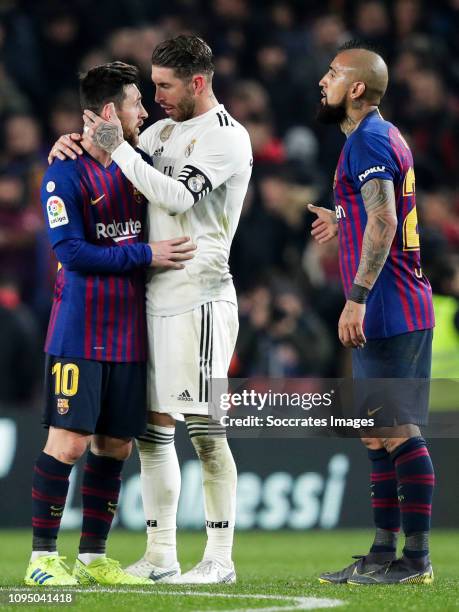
(166, 192)
(377, 240)
(81, 256)
(379, 200)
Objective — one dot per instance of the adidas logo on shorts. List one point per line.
(185, 396)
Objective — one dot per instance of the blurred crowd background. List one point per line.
(269, 58)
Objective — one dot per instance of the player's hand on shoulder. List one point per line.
(66, 147)
(170, 253)
(325, 227)
(350, 325)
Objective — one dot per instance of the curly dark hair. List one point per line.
(186, 54)
(106, 83)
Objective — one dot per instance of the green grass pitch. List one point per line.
(276, 571)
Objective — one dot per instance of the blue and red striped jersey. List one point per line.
(99, 316)
(401, 299)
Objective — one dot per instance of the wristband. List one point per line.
(358, 294)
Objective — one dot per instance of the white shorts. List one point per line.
(185, 352)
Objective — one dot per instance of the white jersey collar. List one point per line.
(200, 118)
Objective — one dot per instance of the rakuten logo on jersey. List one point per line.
(119, 231)
(364, 175)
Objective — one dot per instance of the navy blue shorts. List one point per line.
(95, 396)
(392, 379)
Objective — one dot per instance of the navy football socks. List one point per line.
(416, 480)
(100, 491)
(50, 485)
(384, 501)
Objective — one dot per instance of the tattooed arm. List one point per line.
(379, 200)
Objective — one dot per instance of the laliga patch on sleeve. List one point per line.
(57, 213)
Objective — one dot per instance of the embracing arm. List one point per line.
(166, 192)
(80, 256)
(170, 194)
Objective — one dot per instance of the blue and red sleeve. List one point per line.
(62, 202)
(81, 256)
(370, 157)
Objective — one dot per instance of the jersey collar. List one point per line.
(201, 118)
(374, 113)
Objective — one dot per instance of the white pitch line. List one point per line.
(299, 603)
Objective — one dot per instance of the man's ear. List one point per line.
(198, 83)
(358, 90)
(105, 113)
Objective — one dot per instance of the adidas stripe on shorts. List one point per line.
(185, 352)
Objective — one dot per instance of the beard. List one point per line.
(332, 114)
(131, 136)
(185, 109)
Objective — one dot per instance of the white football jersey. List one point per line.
(205, 165)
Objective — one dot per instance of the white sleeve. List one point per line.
(163, 190)
(215, 157)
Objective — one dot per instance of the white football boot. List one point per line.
(145, 569)
(209, 572)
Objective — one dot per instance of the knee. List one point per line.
(214, 454)
(207, 452)
(204, 447)
(372, 443)
(68, 452)
(123, 452)
(391, 444)
(112, 447)
(163, 419)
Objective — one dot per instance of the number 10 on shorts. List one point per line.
(66, 378)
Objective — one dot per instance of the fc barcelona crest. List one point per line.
(62, 405)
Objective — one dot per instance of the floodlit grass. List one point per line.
(273, 569)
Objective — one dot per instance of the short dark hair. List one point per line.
(360, 43)
(106, 83)
(187, 55)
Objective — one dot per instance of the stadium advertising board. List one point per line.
(285, 483)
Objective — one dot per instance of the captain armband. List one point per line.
(195, 181)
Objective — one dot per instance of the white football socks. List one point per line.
(160, 482)
(219, 480)
(42, 553)
(88, 558)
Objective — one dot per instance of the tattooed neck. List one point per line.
(108, 136)
(348, 126)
